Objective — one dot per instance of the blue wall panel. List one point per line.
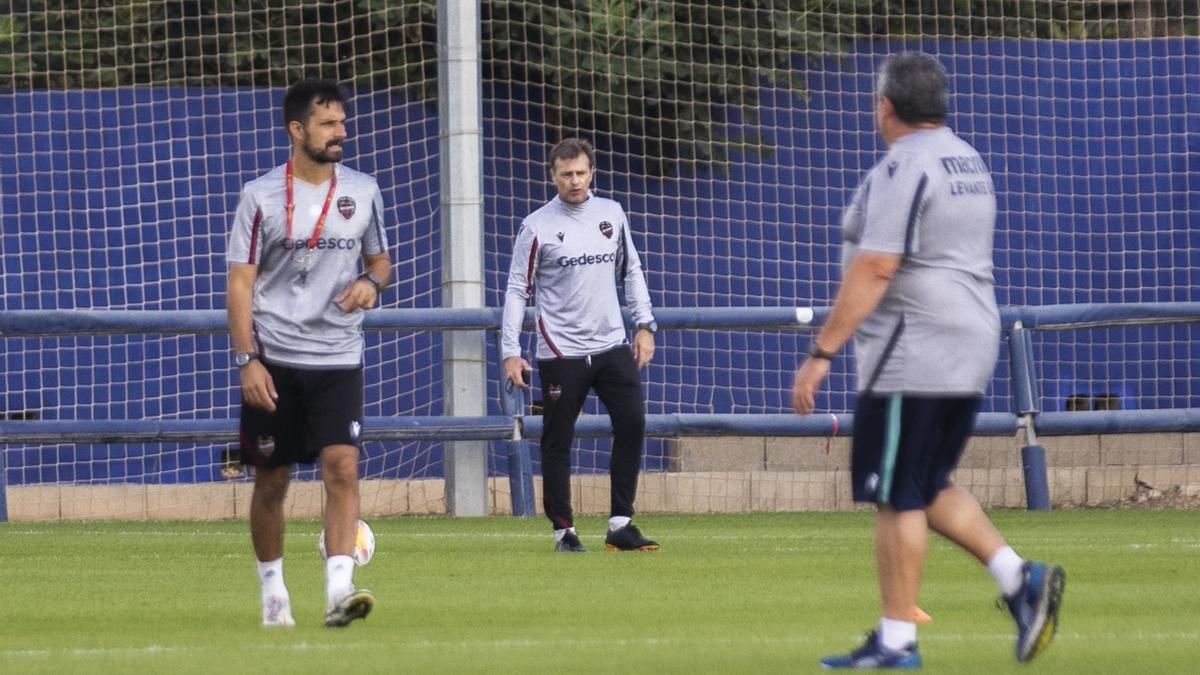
(122, 199)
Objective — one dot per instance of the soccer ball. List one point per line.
(364, 544)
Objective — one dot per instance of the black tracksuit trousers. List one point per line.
(565, 385)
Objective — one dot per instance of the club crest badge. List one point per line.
(266, 445)
(346, 207)
(871, 484)
(355, 430)
(555, 392)
(560, 236)
(606, 229)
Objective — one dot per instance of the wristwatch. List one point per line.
(243, 359)
(373, 279)
(650, 325)
(816, 352)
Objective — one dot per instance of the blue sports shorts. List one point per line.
(906, 446)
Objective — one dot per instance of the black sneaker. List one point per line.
(570, 544)
(628, 538)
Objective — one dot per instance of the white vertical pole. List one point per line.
(460, 150)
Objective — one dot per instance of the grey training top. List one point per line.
(937, 329)
(575, 257)
(296, 321)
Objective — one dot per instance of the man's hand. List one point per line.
(360, 294)
(515, 368)
(643, 347)
(258, 389)
(807, 383)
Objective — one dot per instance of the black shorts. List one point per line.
(905, 447)
(316, 409)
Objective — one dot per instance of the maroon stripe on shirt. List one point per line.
(254, 234)
(258, 345)
(546, 336)
(532, 264)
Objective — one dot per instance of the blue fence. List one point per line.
(511, 429)
(121, 199)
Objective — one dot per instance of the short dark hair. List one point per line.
(570, 148)
(915, 83)
(301, 96)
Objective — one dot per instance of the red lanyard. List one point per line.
(291, 206)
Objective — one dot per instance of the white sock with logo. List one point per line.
(270, 575)
(1005, 567)
(339, 573)
(896, 635)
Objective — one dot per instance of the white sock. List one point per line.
(896, 635)
(270, 575)
(339, 573)
(1005, 567)
(559, 534)
(617, 522)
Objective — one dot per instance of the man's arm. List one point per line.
(239, 299)
(867, 279)
(637, 298)
(257, 387)
(521, 274)
(378, 269)
(364, 292)
(637, 293)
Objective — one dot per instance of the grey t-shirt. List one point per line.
(575, 257)
(937, 329)
(296, 321)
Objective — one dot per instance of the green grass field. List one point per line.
(727, 594)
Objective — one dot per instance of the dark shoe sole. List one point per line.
(357, 606)
(613, 548)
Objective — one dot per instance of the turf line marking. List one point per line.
(458, 534)
(822, 543)
(540, 644)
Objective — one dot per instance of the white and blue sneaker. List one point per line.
(874, 655)
(1035, 607)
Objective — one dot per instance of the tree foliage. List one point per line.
(197, 43)
(1042, 19)
(669, 74)
(665, 73)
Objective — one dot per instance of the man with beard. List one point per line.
(307, 256)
